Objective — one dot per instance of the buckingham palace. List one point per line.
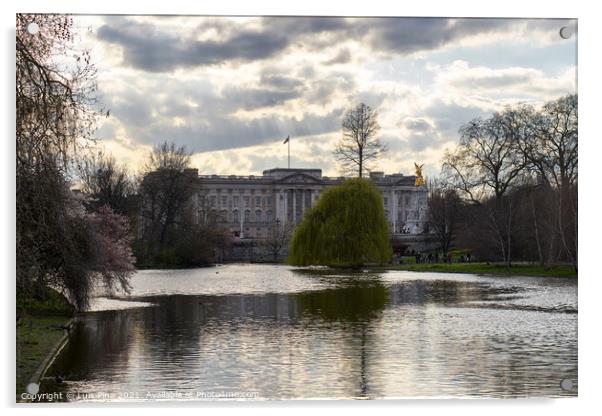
(248, 205)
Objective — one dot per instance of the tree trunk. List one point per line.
(542, 262)
(509, 236)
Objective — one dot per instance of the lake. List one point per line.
(245, 331)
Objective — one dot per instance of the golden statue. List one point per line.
(419, 179)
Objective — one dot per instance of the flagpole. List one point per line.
(288, 141)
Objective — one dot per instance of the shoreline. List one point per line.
(478, 268)
(39, 341)
(51, 356)
(42, 330)
(485, 269)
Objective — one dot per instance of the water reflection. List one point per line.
(349, 336)
(359, 301)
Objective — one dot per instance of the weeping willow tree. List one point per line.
(346, 227)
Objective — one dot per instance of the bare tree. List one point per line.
(277, 238)
(166, 190)
(107, 183)
(358, 146)
(518, 169)
(487, 166)
(555, 155)
(551, 151)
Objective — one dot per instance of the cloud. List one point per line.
(147, 47)
(209, 126)
(461, 78)
(417, 124)
(448, 116)
(343, 57)
(255, 98)
(409, 35)
(276, 80)
(204, 117)
(156, 49)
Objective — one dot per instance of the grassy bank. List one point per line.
(491, 269)
(40, 326)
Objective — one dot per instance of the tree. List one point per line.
(177, 229)
(195, 245)
(487, 166)
(56, 114)
(518, 169)
(346, 227)
(445, 207)
(358, 146)
(55, 93)
(111, 258)
(107, 183)
(552, 153)
(166, 190)
(277, 238)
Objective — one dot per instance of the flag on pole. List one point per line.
(287, 139)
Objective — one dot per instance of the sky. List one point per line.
(230, 89)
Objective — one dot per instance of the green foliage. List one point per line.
(46, 302)
(36, 337)
(193, 246)
(40, 322)
(346, 227)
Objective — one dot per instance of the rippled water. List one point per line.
(275, 332)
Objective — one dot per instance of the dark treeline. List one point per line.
(508, 191)
(176, 226)
(170, 226)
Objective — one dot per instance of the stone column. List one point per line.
(309, 194)
(393, 211)
(304, 193)
(276, 197)
(294, 206)
(284, 205)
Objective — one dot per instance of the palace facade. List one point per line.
(249, 205)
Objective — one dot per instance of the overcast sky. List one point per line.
(231, 89)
